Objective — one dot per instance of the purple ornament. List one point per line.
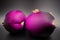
(40, 23)
(14, 20)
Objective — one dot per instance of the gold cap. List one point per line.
(36, 10)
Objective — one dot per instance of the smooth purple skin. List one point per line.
(16, 26)
(14, 18)
(35, 21)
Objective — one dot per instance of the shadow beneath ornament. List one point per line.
(15, 36)
(48, 38)
(25, 36)
(30, 37)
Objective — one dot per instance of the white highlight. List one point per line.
(22, 23)
(54, 22)
(52, 13)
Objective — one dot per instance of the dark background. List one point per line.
(27, 6)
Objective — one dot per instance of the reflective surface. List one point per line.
(4, 35)
(52, 6)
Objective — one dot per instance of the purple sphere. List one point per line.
(14, 20)
(39, 23)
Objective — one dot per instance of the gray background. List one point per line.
(27, 6)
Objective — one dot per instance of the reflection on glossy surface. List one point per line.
(4, 35)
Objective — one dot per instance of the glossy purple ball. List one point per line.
(39, 23)
(14, 20)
